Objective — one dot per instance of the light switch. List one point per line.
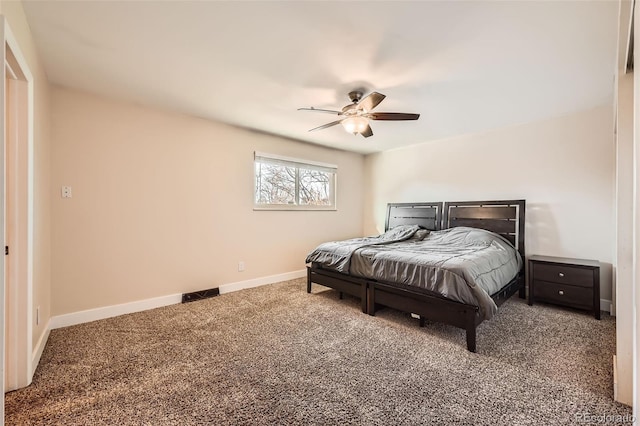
(66, 192)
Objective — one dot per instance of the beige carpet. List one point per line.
(277, 355)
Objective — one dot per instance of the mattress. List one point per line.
(464, 264)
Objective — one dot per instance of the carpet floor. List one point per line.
(277, 355)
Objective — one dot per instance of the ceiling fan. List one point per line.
(355, 116)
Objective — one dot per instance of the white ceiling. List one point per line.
(466, 67)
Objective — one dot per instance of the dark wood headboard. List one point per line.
(427, 215)
(505, 217)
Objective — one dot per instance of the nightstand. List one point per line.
(564, 281)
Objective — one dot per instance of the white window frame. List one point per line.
(298, 164)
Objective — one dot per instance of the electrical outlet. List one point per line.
(66, 192)
(241, 266)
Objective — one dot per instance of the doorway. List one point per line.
(16, 207)
(16, 213)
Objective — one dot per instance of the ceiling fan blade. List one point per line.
(371, 101)
(392, 116)
(367, 132)
(328, 111)
(333, 123)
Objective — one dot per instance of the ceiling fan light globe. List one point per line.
(355, 125)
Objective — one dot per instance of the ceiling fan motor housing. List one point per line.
(355, 96)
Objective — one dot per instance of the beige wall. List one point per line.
(163, 203)
(563, 167)
(13, 12)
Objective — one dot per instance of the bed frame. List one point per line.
(506, 218)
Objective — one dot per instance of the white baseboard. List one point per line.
(256, 282)
(89, 315)
(113, 311)
(37, 351)
(158, 302)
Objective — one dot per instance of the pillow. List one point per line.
(420, 235)
(399, 233)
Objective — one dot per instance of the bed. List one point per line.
(404, 288)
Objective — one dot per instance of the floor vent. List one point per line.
(199, 295)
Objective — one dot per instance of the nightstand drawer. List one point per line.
(563, 274)
(565, 281)
(563, 294)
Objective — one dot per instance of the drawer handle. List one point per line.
(561, 293)
(560, 274)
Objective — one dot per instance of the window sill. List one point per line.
(295, 208)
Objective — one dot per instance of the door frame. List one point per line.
(21, 298)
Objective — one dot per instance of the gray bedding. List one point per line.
(463, 264)
(336, 255)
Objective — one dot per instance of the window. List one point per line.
(283, 183)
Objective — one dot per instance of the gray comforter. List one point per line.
(336, 255)
(463, 264)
